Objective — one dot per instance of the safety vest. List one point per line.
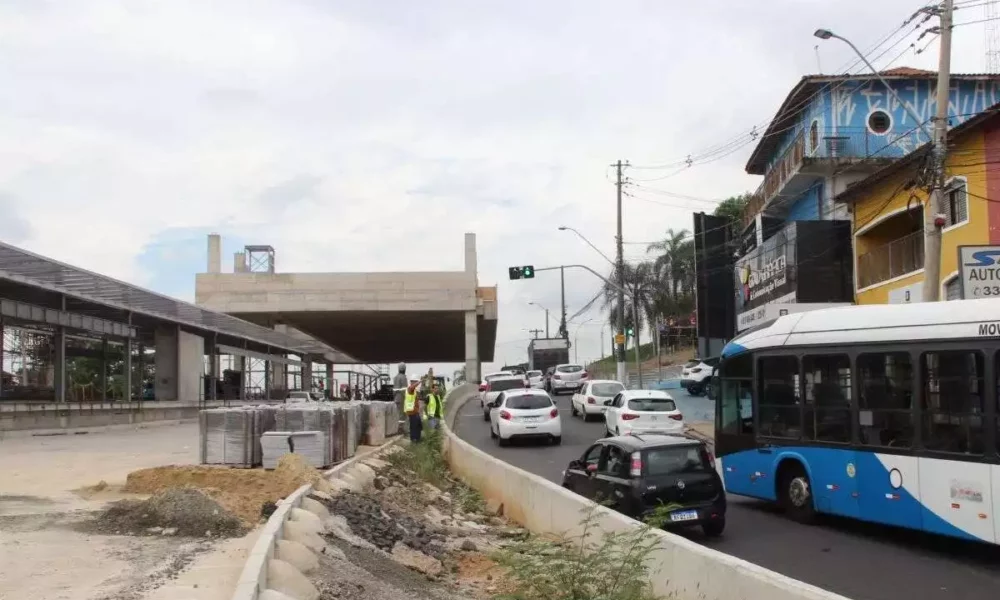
(409, 402)
(433, 405)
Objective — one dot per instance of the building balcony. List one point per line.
(815, 154)
(894, 259)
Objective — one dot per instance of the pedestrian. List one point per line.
(412, 408)
(434, 407)
(399, 385)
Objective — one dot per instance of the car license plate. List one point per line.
(530, 419)
(653, 418)
(684, 515)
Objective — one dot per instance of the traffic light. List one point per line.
(526, 272)
(629, 331)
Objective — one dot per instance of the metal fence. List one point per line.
(896, 258)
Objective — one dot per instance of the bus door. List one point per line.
(735, 444)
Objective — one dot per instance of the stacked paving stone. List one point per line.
(233, 436)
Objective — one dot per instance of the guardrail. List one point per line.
(681, 568)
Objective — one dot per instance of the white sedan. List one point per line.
(524, 414)
(643, 411)
(591, 398)
(536, 379)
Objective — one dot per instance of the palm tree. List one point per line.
(641, 286)
(666, 265)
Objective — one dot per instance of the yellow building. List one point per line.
(887, 211)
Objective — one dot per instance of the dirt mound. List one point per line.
(240, 491)
(185, 512)
(384, 526)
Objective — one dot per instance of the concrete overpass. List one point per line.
(432, 316)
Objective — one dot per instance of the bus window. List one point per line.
(778, 397)
(885, 399)
(828, 397)
(953, 401)
(735, 397)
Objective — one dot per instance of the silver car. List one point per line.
(590, 400)
(568, 378)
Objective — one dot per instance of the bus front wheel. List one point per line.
(797, 494)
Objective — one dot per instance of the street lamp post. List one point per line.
(546, 316)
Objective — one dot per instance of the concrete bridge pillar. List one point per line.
(471, 346)
(307, 373)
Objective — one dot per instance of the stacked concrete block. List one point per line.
(310, 445)
(234, 436)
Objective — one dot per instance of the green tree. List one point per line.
(641, 284)
(732, 208)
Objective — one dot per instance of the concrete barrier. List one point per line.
(275, 569)
(680, 567)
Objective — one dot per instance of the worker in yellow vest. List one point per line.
(434, 407)
(411, 406)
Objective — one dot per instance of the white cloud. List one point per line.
(358, 135)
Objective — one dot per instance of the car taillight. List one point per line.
(527, 383)
(636, 470)
(711, 457)
(554, 413)
(629, 417)
(584, 374)
(677, 417)
(556, 376)
(482, 387)
(591, 400)
(505, 415)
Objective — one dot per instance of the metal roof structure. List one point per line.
(36, 271)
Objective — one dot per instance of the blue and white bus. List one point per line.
(882, 413)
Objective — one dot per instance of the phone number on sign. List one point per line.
(986, 290)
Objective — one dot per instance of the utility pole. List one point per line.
(535, 332)
(932, 227)
(546, 323)
(635, 325)
(620, 348)
(563, 333)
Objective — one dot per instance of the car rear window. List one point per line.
(651, 404)
(500, 385)
(606, 389)
(534, 373)
(528, 402)
(676, 460)
(570, 369)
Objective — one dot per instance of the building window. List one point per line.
(778, 393)
(953, 289)
(827, 381)
(885, 399)
(953, 401)
(814, 136)
(879, 122)
(956, 202)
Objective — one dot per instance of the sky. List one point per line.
(370, 136)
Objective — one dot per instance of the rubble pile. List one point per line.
(183, 512)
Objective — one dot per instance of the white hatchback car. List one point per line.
(524, 413)
(643, 411)
(495, 386)
(697, 374)
(535, 379)
(591, 398)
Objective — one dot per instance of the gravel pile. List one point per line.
(182, 511)
(383, 525)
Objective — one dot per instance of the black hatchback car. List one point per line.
(635, 474)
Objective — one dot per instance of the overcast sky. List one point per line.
(361, 135)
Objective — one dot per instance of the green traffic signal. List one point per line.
(629, 331)
(526, 272)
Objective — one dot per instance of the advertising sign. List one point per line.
(979, 271)
(765, 274)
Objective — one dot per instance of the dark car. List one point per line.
(635, 474)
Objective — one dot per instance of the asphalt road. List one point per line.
(858, 560)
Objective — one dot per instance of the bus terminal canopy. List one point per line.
(29, 278)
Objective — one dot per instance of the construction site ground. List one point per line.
(110, 515)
